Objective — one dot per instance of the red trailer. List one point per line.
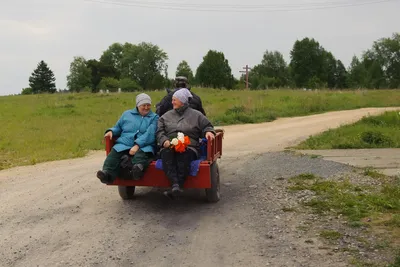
(204, 172)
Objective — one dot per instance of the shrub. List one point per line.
(27, 91)
(128, 85)
(109, 83)
(375, 138)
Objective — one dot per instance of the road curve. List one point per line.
(58, 214)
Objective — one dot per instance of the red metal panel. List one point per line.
(209, 151)
(109, 144)
(157, 178)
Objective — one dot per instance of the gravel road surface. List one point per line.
(58, 214)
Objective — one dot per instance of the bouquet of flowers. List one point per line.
(180, 142)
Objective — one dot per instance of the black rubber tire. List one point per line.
(213, 193)
(126, 192)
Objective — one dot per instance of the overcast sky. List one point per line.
(57, 30)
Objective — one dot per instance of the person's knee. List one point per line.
(166, 153)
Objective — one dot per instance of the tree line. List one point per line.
(143, 66)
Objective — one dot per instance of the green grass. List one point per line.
(38, 128)
(232, 107)
(330, 234)
(354, 201)
(375, 207)
(370, 132)
(369, 171)
(396, 262)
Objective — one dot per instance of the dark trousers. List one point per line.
(177, 165)
(113, 160)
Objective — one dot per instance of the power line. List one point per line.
(236, 8)
(191, 5)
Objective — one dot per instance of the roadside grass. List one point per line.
(356, 202)
(330, 234)
(396, 262)
(38, 128)
(235, 107)
(382, 131)
(370, 171)
(376, 208)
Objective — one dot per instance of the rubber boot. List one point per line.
(137, 171)
(104, 177)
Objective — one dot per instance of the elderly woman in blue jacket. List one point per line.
(135, 130)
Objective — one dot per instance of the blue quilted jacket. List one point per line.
(132, 128)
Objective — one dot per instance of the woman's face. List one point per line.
(144, 109)
(176, 103)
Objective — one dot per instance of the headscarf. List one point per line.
(142, 99)
(183, 95)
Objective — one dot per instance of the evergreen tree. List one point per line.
(42, 79)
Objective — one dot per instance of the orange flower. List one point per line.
(187, 141)
(181, 146)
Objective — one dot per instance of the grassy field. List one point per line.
(37, 128)
(381, 131)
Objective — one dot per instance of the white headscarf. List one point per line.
(183, 95)
(142, 99)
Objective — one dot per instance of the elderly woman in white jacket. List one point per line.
(190, 122)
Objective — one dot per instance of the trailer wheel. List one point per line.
(126, 192)
(213, 193)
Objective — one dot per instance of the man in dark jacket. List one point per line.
(166, 103)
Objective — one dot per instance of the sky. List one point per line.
(57, 30)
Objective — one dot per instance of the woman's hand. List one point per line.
(109, 134)
(210, 135)
(167, 144)
(133, 150)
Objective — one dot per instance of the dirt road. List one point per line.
(58, 214)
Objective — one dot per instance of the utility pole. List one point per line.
(247, 75)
